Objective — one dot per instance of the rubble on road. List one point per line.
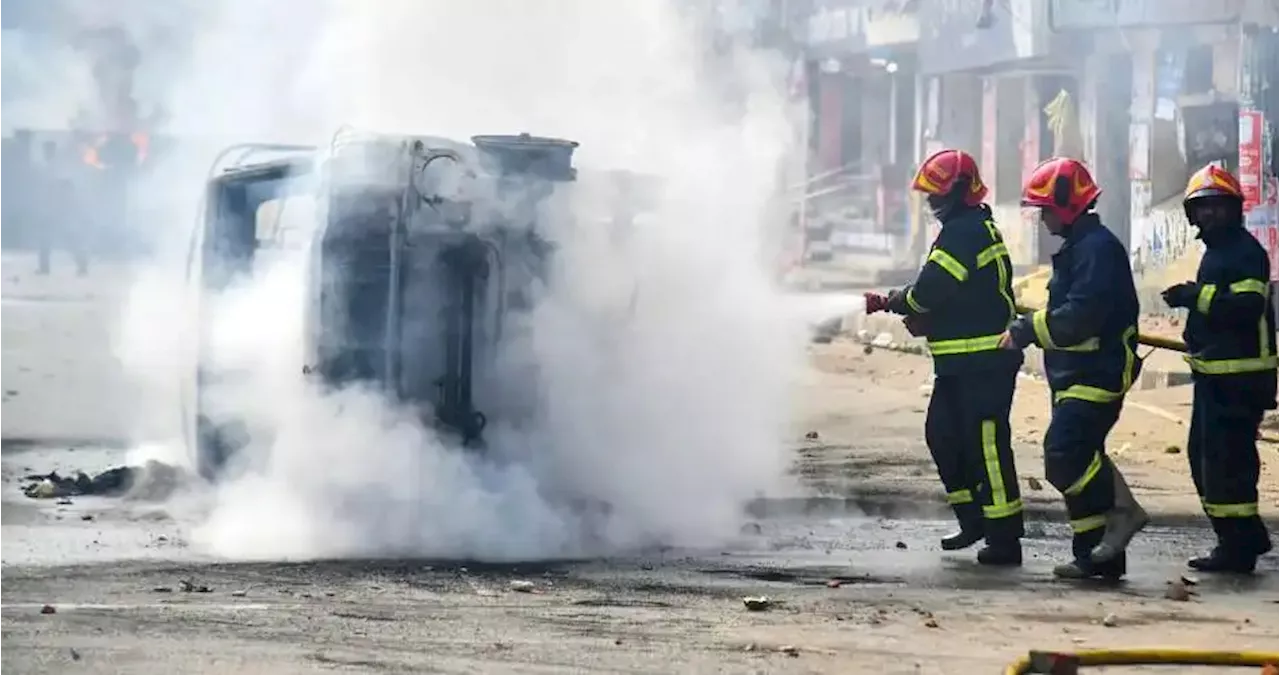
(152, 480)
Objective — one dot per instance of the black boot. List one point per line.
(1241, 541)
(1084, 568)
(971, 528)
(1221, 560)
(1006, 553)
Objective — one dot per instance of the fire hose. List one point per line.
(1069, 663)
(1156, 341)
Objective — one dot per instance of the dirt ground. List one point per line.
(850, 589)
(852, 386)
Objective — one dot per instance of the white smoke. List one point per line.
(673, 412)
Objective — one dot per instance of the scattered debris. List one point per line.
(162, 589)
(757, 604)
(1034, 483)
(749, 647)
(790, 650)
(1189, 580)
(48, 609)
(1178, 591)
(75, 655)
(884, 340)
(834, 583)
(930, 623)
(86, 516)
(520, 586)
(811, 436)
(187, 586)
(867, 348)
(1172, 450)
(153, 480)
(1110, 620)
(901, 545)
(239, 594)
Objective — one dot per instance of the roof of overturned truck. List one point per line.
(370, 157)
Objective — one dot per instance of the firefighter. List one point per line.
(1231, 341)
(1088, 333)
(962, 301)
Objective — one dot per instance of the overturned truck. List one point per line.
(422, 252)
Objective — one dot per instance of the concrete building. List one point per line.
(1171, 81)
(861, 66)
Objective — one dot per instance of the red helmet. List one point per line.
(938, 175)
(1212, 181)
(1061, 185)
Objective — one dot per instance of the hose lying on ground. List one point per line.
(1066, 662)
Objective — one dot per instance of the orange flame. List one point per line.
(91, 157)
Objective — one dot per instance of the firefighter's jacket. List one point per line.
(1089, 330)
(963, 295)
(1231, 330)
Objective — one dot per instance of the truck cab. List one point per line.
(422, 254)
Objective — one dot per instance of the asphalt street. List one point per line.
(104, 585)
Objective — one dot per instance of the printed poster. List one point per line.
(1251, 157)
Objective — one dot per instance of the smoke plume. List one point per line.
(666, 356)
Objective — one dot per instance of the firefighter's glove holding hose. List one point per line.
(1181, 295)
(896, 302)
(875, 302)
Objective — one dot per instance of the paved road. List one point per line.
(853, 592)
(849, 589)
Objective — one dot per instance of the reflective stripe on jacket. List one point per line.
(1232, 328)
(964, 294)
(1089, 330)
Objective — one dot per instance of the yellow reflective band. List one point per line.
(1090, 472)
(959, 497)
(1005, 510)
(911, 302)
(1126, 380)
(1205, 298)
(1083, 392)
(984, 343)
(1090, 345)
(1040, 321)
(1246, 510)
(991, 229)
(1088, 524)
(1249, 286)
(999, 254)
(1264, 361)
(947, 262)
(991, 458)
(1232, 366)
(991, 254)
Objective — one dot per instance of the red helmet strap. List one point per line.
(1062, 191)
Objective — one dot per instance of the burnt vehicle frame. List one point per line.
(423, 250)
